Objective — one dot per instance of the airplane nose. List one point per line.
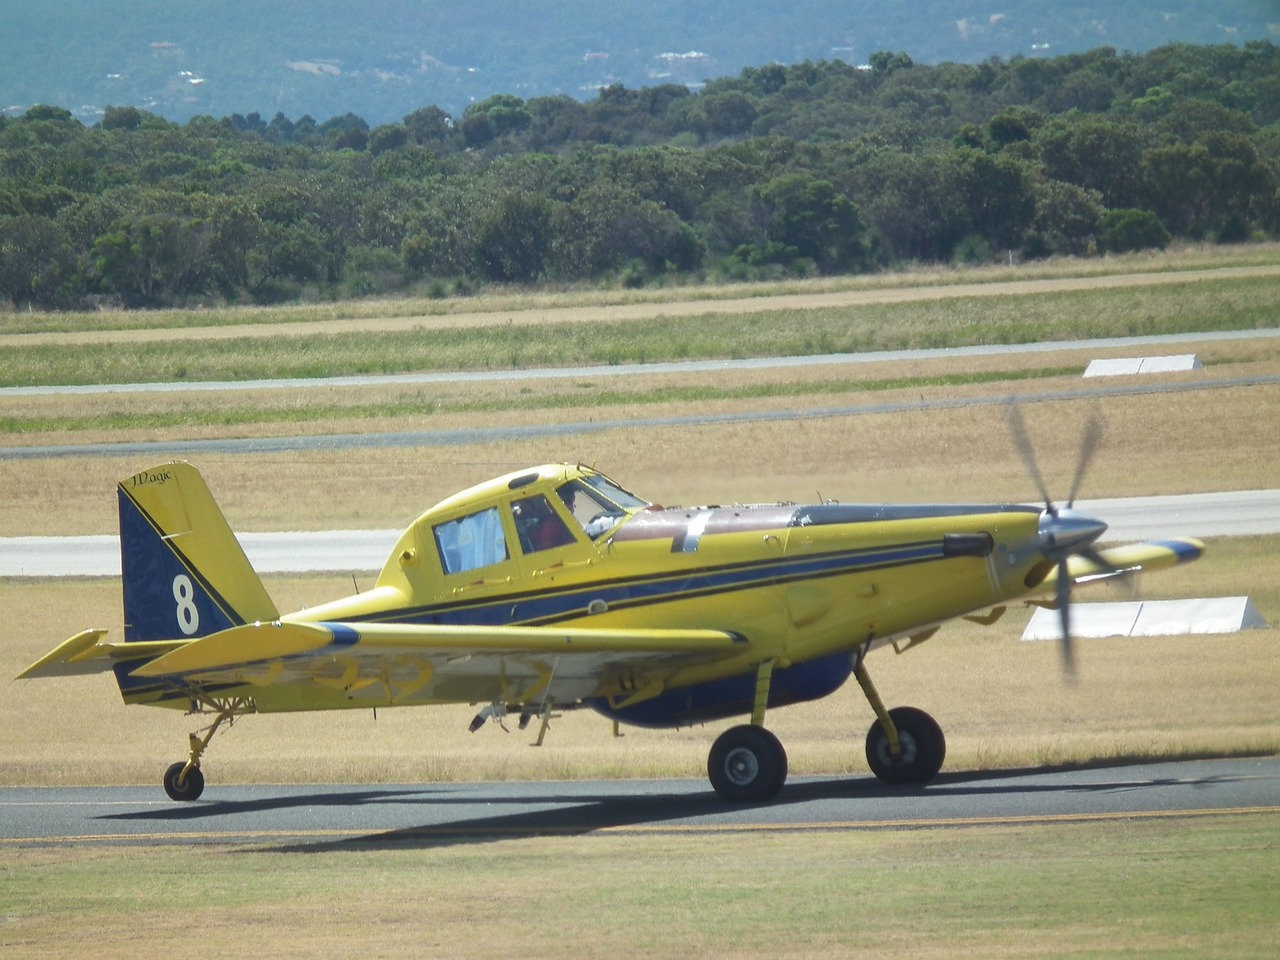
(1066, 532)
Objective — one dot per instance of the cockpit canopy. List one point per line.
(514, 517)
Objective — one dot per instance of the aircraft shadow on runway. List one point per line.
(578, 814)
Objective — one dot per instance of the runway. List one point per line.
(435, 814)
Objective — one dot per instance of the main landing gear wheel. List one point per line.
(191, 786)
(747, 765)
(923, 748)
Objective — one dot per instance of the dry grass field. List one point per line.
(1156, 889)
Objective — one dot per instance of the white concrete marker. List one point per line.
(1127, 366)
(1149, 618)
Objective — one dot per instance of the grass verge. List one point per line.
(1158, 888)
(1206, 305)
(1190, 442)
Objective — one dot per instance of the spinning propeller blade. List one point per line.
(1088, 445)
(1023, 442)
(1063, 532)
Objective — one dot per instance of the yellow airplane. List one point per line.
(554, 588)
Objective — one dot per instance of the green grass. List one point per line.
(516, 300)
(1201, 306)
(1162, 888)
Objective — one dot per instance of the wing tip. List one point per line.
(1184, 550)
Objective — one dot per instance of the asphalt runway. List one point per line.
(315, 817)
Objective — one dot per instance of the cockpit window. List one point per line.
(538, 525)
(471, 542)
(598, 504)
(614, 493)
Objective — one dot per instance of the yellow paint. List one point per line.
(662, 599)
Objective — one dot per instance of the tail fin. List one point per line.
(184, 573)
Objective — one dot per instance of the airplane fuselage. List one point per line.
(805, 586)
(554, 588)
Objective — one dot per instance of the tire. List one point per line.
(747, 764)
(923, 748)
(189, 789)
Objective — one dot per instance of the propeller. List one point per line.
(1064, 532)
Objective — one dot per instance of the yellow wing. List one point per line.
(325, 664)
(1127, 559)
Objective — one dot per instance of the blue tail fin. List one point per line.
(184, 573)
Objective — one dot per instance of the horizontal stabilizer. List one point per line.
(237, 646)
(85, 653)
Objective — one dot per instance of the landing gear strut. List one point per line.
(748, 764)
(183, 780)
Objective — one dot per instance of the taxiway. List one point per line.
(447, 813)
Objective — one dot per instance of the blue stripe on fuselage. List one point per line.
(549, 607)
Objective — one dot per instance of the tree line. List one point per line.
(812, 168)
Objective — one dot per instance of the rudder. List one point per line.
(184, 573)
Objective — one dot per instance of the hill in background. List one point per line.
(382, 59)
